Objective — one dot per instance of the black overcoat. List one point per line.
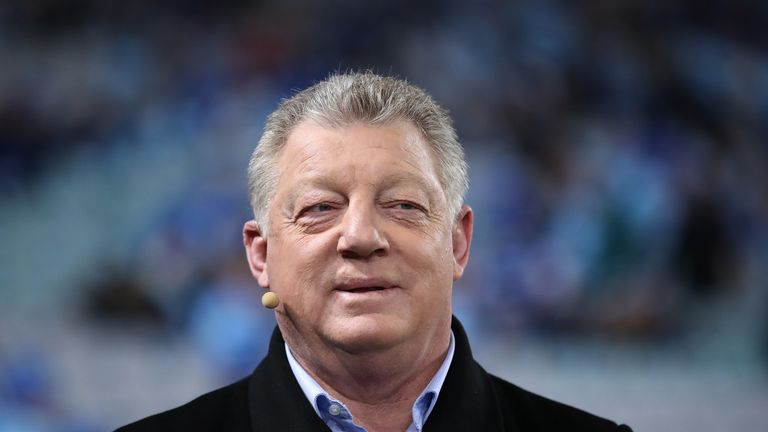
(270, 400)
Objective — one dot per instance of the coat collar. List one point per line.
(467, 400)
(275, 399)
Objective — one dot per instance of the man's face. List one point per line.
(362, 249)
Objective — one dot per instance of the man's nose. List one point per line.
(361, 236)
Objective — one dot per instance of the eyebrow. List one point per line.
(392, 181)
(321, 181)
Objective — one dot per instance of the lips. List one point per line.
(363, 285)
(365, 289)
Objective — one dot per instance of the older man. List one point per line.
(360, 229)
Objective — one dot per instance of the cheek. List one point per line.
(430, 258)
(298, 272)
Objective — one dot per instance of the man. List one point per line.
(360, 229)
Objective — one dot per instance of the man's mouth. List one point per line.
(366, 289)
(363, 285)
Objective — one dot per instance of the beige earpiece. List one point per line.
(270, 300)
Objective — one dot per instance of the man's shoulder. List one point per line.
(531, 411)
(224, 409)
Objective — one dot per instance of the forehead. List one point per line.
(392, 151)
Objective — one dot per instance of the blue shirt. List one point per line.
(336, 415)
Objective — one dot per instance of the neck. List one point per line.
(379, 388)
(381, 401)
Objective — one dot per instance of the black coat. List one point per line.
(270, 400)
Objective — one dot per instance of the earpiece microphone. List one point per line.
(270, 300)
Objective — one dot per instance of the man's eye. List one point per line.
(322, 207)
(408, 206)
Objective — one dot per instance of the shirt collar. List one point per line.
(321, 400)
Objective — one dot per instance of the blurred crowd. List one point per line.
(617, 157)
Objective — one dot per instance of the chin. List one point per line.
(366, 333)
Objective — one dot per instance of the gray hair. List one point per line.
(343, 99)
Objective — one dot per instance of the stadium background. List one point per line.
(618, 174)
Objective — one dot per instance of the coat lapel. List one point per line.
(467, 400)
(276, 401)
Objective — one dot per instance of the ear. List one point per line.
(462, 240)
(256, 250)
